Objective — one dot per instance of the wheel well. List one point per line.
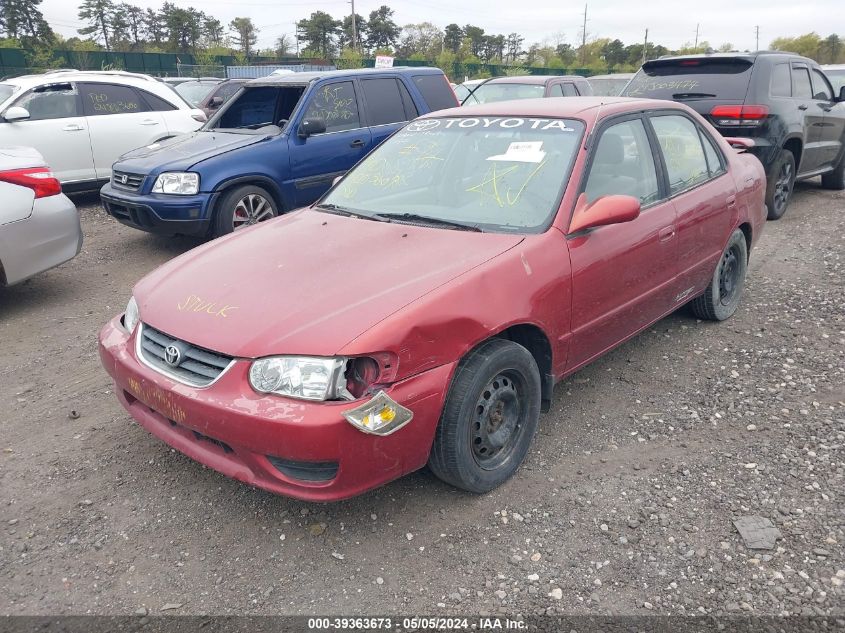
(794, 145)
(267, 185)
(745, 227)
(535, 341)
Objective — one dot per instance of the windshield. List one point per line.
(258, 110)
(490, 92)
(837, 78)
(705, 78)
(194, 91)
(6, 91)
(497, 174)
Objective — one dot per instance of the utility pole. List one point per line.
(645, 45)
(757, 37)
(584, 35)
(354, 27)
(296, 36)
(695, 47)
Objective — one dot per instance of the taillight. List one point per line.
(40, 179)
(735, 115)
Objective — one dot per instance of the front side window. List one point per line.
(682, 151)
(821, 89)
(335, 104)
(569, 90)
(254, 109)
(384, 101)
(106, 99)
(501, 174)
(623, 164)
(51, 102)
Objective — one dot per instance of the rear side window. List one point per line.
(51, 102)
(718, 77)
(821, 89)
(105, 99)
(336, 104)
(436, 91)
(156, 103)
(781, 83)
(569, 90)
(801, 87)
(384, 101)
(714, 160)
(682, 151)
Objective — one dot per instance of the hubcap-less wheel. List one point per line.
(783, 187)
(496, 423)
(251, 209)
(729, 276)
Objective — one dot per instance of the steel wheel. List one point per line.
(497, 420)
(783, 188)
(251, 209)
(729, 276)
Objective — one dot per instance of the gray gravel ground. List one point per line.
(625, 505)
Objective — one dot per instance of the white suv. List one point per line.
(83, 121)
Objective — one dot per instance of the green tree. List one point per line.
(21, 19)
(513, 45)
(350, 58)
(614, 53)
(98, 14)
(832, 46)
(319, 32)
(283, 46)
(212, 32)
(345, 33)
(424, 40)
(808, 45)
(154, 27)
(245, 34)
(453, 35)
(475, 35)
(383, 33)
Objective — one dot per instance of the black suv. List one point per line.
(781, 100)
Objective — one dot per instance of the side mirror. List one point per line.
(215, 102)
(841, 97)
(310, 127)
(16, 113)
(604, 211)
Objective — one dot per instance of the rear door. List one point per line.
(623, 275)
(56, 128)
(317, 160)
(384, 106)
(833, 126)
(119, 120)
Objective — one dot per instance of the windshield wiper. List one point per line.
(424, 219)
(692, 95)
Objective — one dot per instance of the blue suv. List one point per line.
(275, 146)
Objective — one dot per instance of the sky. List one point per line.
(670, 22)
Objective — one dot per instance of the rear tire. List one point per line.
(835, 179)
(489, 417)
(779, 186)
(724, 293)
(241, 207)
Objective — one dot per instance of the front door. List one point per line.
(623, 275)
(812, 155)
(56, 128)
(317, 160)
(832, 129)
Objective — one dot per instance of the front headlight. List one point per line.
(179, 183)
(131, 316)
(309, 378)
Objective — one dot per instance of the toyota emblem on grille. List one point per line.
(172, 355)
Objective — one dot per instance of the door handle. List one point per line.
(731, 202)
(149, 122)
(666, 234)
(357, 143)
(73, 127)
(803, 106)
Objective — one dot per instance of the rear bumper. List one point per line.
(50, 236)
(300, 449)
(155, 213)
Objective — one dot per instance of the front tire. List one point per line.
(489, 418)
(724, 293)
(780, 184)
(241, 207)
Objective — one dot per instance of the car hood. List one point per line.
(306, 283)
(184, 151)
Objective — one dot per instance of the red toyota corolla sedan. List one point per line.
(422, 311)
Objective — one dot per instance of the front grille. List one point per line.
(198, 367)
(125, 180)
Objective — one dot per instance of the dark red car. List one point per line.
(422, 311)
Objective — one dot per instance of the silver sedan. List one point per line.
(39, 225)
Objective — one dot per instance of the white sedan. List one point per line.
(81, 122)
(39, 225)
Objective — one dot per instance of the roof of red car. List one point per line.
(563, 107)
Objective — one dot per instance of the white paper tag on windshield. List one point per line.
(524, 152)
